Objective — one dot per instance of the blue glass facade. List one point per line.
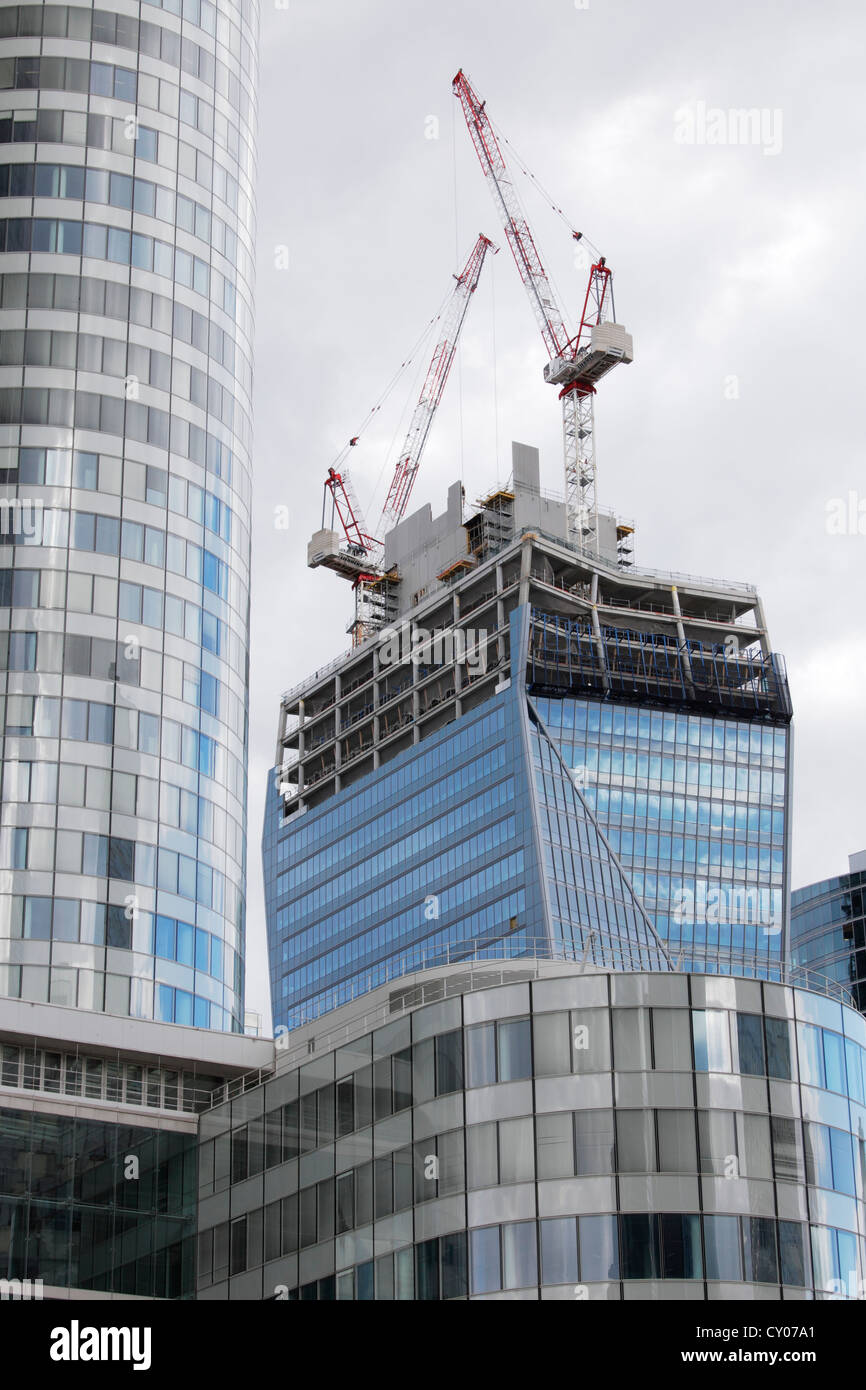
(436, 849)
(828, 930)
(629, 802)
(695, 807)
(474, 837)
(593, 909)
(642, 824)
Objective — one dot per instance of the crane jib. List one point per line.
(575, 362)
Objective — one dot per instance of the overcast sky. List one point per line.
(739, 272)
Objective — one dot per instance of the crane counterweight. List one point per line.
(609, 345)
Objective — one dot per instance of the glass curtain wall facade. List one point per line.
(594, 911)
(540, 1132)
(637, 834)
(681, 748)
(473, 841)
(98, 1138)
(70, 1217)
(695, 807)
(435, 851)
(127, 219)
(828, 928)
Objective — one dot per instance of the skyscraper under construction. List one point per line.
(534, 747)
(542, 751)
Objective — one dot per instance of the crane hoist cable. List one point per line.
(554, 207)
(404, 366)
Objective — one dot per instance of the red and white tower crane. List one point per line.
(358, 555)
(434, 385)
(576, 363)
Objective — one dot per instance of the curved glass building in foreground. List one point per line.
(127, 220)
(532, 1130)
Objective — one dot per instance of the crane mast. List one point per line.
(575, 364)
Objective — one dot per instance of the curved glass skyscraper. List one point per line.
(126, 316)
